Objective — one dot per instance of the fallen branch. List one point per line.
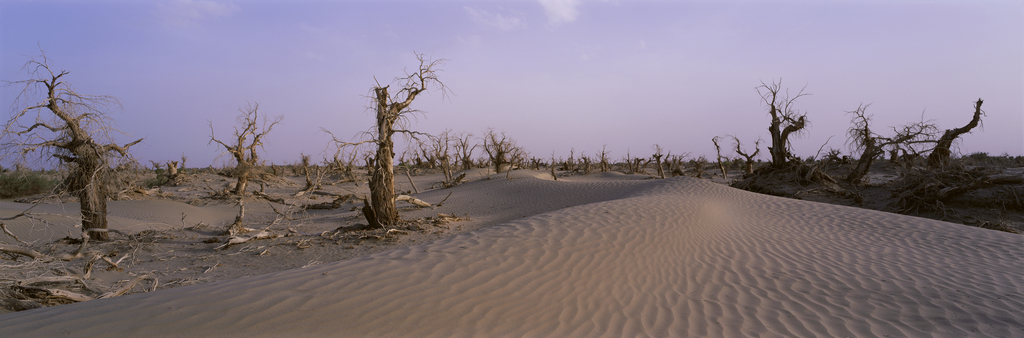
(264, 195)
(56, 293)
(127, 286)
(410, 181)
(81, 247)
(999, 179)
(87, 271)
(20, 305)
(21, 251)
(336, 203)
(454, 181)
(445, 199)
(238, 239)
(9, 233)
(413, 200)
(50, 279)
(392, 232)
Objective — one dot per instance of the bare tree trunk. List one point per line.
(657, 159)
(718, 151)
(408, 174)
(940, 155)
(382, 182)
(172, 170)
(604, 158)
(92, 198)
(382, 185)
(864, 162)
(242, 180)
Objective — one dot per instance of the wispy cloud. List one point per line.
(187, 13)
(559, 11)
(472, 40)
(495, 20)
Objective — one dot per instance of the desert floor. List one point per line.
(517, 254)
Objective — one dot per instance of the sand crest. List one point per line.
(675, 257)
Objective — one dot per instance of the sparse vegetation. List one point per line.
(25, 183)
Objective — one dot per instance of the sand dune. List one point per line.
(675, 257)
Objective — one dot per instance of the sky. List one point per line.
(555, 75)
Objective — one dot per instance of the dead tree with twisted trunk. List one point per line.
(72, 127)
(245, 143)
(393, 110)
(872, 145)
(657, 159)
(940, 155)
(785, 120)
(718, 154)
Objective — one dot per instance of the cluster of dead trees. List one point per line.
(57, 122)
(905, 142)
(930, 178)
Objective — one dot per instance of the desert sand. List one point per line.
(604, 255)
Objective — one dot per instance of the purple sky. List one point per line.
(553, 74)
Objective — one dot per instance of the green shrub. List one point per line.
(24, 183)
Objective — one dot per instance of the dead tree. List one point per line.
(304, 164)
(940, 155)
(172, 173)
(440, 148)
(657, 159)
(872, 145)
(570, 164)
(718, 151)
(603, 157)
(245, 143)
(465, 150)
(699, 164)
(392, 110)
(501, 150)
(785, 120)
(58, 122)
(748, 158)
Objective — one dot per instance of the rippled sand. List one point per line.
(677, 257)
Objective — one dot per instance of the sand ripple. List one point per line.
(678, 257)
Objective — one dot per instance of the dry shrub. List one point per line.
(921, 189)
(24, 183)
